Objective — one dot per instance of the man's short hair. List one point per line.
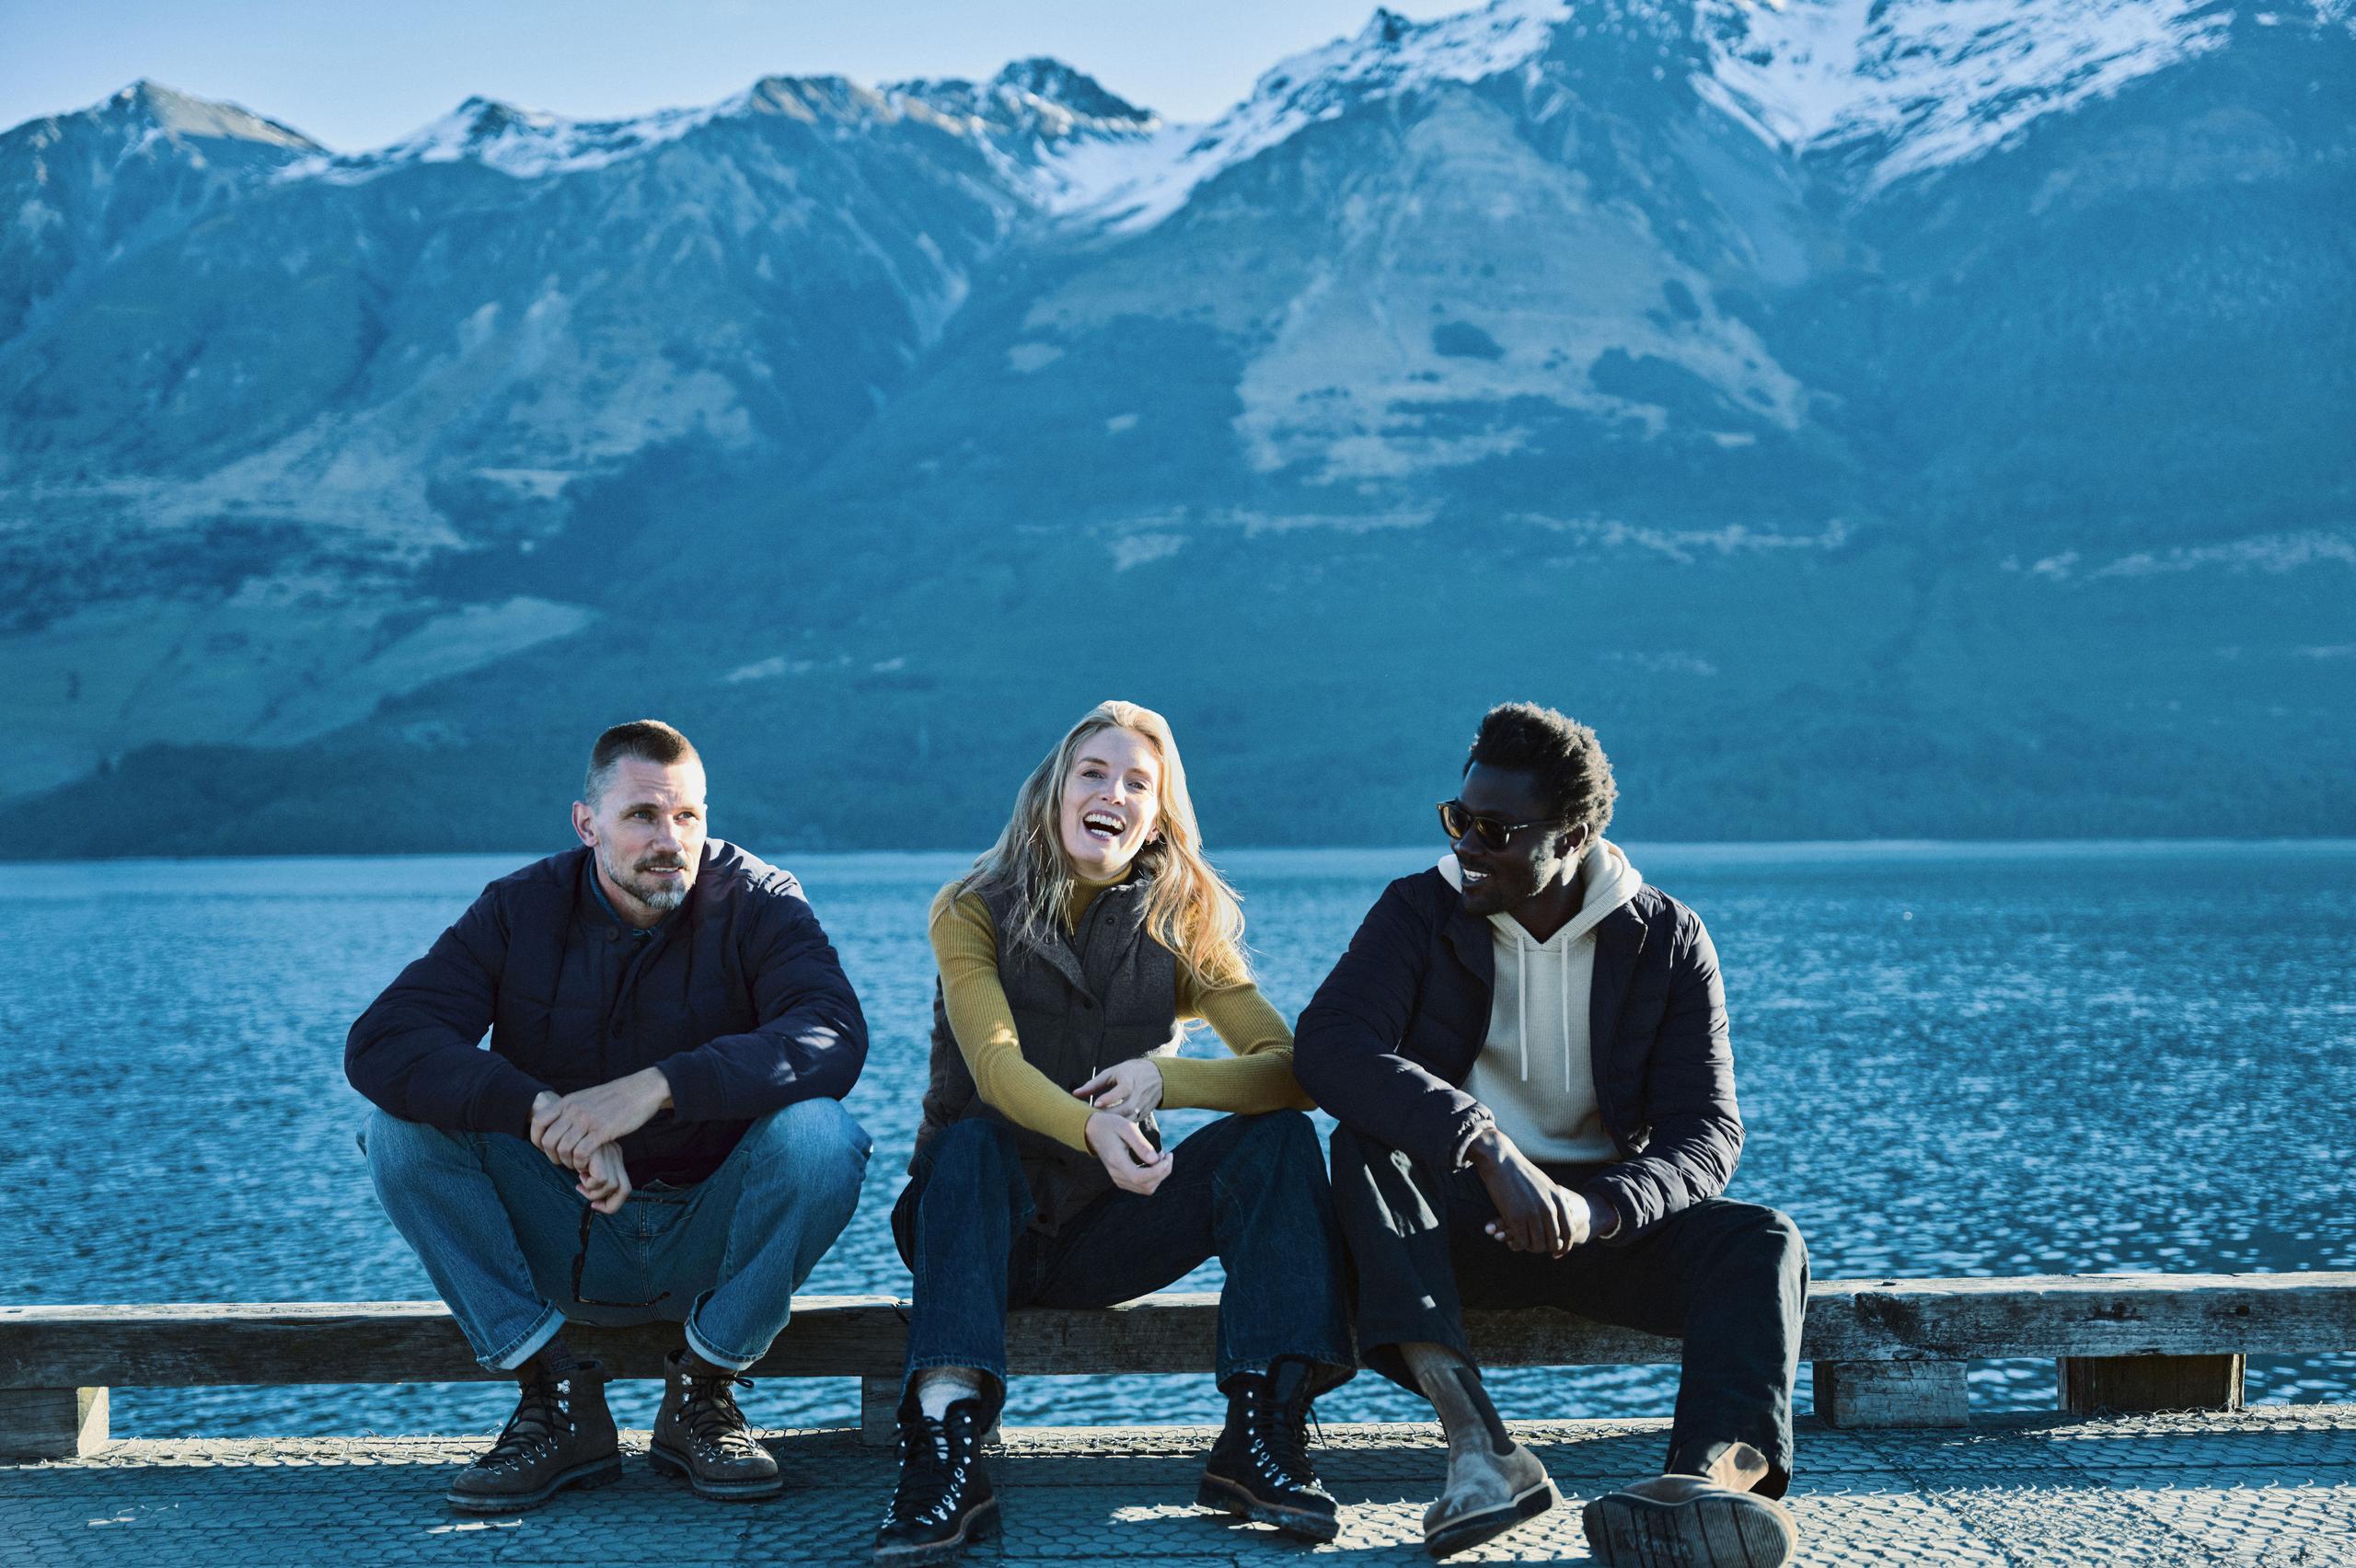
(648, 740)
(1573, 776)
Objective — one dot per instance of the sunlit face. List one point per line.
(646, 828)
(1112, 803)
(1537, 858)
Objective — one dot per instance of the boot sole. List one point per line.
(976, 1526)
(1233, 1497)
(1704, 1532)
(1473, 1529)
(677, 1467)
(588, 1477)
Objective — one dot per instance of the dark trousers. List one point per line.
(1250, 1189)
(1729, 1279)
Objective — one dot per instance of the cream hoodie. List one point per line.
(1534, 1072)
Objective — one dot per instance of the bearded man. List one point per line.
(655, 1131)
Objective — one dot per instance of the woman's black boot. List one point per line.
(1259, 1467)
(944, 1498)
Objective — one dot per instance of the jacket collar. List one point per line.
(1619, 938)
(1123, 900)
(598, 910)
(1469, 935)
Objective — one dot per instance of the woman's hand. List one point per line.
(1130, 1089)
(1135, 1165)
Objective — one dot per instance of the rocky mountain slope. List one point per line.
(1905, 419)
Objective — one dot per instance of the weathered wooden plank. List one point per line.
(1849, 1321)
(1892, 1394)
(52, 1423)
(2106, 1315)
(2151, 1382)
(200, 1344)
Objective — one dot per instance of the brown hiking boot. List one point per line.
(701, 1435)
(561, 1434)
(1695, 1521)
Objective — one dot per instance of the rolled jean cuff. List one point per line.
(734, 1361)
(992, 1367)
(528, 1344)
(1337, 1358)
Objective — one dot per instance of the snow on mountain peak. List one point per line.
(1052, 81)
(147, 110)
(1135, 186)
(522, 143)
(1916, 86)
(1038, 100)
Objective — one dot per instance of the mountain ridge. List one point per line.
(1862, 491)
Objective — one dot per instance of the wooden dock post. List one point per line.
(1892, 1394)
(2091, 1383)
(878, 1407)
(52, 1423)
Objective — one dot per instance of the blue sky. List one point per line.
(356, 77)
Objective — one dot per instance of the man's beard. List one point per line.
(664, 895)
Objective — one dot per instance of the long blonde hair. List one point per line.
(1189, 908)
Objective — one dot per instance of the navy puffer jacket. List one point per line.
(1387, 1042)
(736, 996)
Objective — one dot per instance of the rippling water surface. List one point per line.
(1987, 1059)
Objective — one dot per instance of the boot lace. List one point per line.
(713, 1423)
(930, 1471)
(543, 1419)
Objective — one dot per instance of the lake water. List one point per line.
(1953, 1060)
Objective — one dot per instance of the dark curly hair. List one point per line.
(1558, 751)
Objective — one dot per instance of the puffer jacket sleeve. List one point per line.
(414, 1052)
(811, 1041)
(1346, 1048)
(1688, 1097)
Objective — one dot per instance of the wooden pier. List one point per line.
(1892, 1466)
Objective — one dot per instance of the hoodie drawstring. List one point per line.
(1562, 985)
(1521, 1001)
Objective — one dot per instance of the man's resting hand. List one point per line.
(606, 1182)
(1534, 1214)
(569, 1129)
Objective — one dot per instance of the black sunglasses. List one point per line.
(1457, 819)
(581, 1263)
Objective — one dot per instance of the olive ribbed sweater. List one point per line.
(1258, 1078)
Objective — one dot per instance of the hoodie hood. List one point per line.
(1610, 879)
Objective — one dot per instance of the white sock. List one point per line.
(938, 1388)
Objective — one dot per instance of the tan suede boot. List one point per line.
(1493, 1483)
(1695, 1521)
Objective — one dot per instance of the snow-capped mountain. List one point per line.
(1787, 385)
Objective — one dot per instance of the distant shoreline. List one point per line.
(1344, 859)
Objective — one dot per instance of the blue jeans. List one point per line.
(1250, 1189)
(498, 1226)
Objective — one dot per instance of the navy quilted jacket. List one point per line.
(737, 997)
(1387, 1042)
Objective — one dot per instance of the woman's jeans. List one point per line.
(1250, 1190)
(498, 1226)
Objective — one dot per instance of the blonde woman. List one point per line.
(1071, 956)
